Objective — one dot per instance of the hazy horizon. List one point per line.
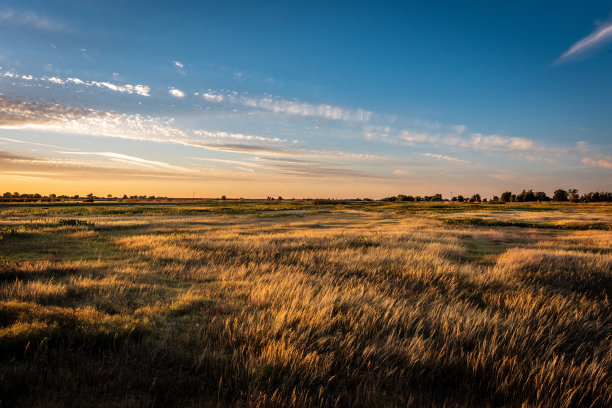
(312, 99)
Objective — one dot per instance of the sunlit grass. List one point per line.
(336, 308)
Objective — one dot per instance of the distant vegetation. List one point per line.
(525, 196)
(52, 198)
(570, 195)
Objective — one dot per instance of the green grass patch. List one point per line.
(482, 222)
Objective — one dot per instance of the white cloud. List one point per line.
(499, 143)
(296, 108)
(56, 80)
(76, 81)
(447, 158)
(52, 117)
(277, 105)
(595, 162)
(476, 141)
(599, 36)
(416, 137)
(213, 98)
(176, 93)
(142, 90)
(178, 64)
(236, 136)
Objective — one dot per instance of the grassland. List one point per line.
(258, 304)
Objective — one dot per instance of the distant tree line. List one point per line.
(402, 197)
(560, 195)
(32, 198)
(570, 195)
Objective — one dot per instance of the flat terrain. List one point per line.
(275, 304)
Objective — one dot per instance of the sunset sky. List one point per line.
(305, 99)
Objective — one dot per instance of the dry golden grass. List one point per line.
(343, 308)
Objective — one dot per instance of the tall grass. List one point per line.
(343, 308)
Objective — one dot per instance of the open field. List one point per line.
(261, 304)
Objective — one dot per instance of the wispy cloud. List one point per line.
(499, 143)
(473, 141)
(6, 139)
(309, 169)
(447, 158)
(600, 36)
(294, 108)
(124, 158)
(177, 93)
(142, 90)
(125, 165)
(213, 98)
(178, 64)
(30, 19)
(606, 162)
(278, 105)
(16, 114)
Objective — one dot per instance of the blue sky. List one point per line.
(305, 99)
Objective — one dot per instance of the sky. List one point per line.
(305, 98)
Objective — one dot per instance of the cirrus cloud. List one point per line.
(600, 36)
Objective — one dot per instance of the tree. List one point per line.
(506, 196)
(541, 196)
(223, 197)
(460, 198)
(560, 195)
(402, 197)
(573, 195)
(526, 196)
(109, 196)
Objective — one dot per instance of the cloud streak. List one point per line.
(142, 90)
(605, 163)
(600, 36)
(447, 158)
(286, 107)
(53, 117)
(475, 141)
(12, 164)
(30, 19)
(124, 158)
(296, 108)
